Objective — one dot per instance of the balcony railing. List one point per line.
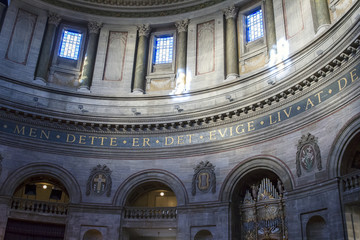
(150, 213)
(351, 181)
(35, 206)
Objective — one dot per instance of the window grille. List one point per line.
(70, 45)
(163, 50)
(254, 26)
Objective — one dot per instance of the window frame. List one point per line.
(168, 67)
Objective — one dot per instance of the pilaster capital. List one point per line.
(182, 25)
(94, 27)
(144, 30)
(54, 18)
(230, 12)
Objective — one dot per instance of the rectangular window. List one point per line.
(70, 45)
(163, 49)
(254, 26)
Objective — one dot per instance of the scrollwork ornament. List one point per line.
(54, 18)
(230, 12)
(94, 27)
(144, 30)
(182, 26)
(204, 178)
(99, 181)
(308, 154)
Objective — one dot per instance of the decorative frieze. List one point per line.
(308, 154)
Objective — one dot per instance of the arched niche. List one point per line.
(316, 229)
(203, 235)
(92, 234)
(160, 177)
(16, 178)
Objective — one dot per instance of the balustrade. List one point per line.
(351, 181)
(150, 213)
(35, 206)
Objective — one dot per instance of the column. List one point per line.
(90, 56)
(181, 48)
(270, 27)
(322, 14)
(141, 59)
(231, 51)
(46, 48)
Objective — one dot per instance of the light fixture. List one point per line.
(44, 186)
(162, 194)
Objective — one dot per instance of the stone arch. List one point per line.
(264, 162)
(316, 228)
(52, 170)
(157, 175)
(203, 235)
(340, 144)
(92, 234)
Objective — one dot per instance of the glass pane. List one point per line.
(254, 26)
(163, 50)
(70, 45)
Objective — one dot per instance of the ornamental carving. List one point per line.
(308, 154)
(54, 18)
(144, 30)
(182, 26)
(230, 12)
(94, 27)
(99, 181)
(204, 178)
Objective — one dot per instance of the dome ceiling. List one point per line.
(134, 8)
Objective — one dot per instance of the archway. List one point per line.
(203, 235)
(38, 209)
(316, 229)
(93, 234)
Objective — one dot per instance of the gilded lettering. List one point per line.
(279, 117)
(309, 102)
(43, 133)
(32, 132)
(271, 121)
(319, 96)
(68, 138)
(166, 140)
(146, 142)
(82, 139)
(17, 130)
(237, 128)
(222, 134)
(135, 142)
(92, 139)
(231, 131)
(287, 113)
(102, 140)
(189, 135)
(212, 137)
(113, 141)
(181, 139)
(353, 75)
(339, 82)
(251, 126)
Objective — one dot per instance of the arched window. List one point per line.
(93, 234)
(316, 229)
(203, 235)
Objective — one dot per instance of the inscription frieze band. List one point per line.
(153, 141)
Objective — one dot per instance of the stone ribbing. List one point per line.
(46, 48)
(231, 51)
(90, 55)
(141, 59)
